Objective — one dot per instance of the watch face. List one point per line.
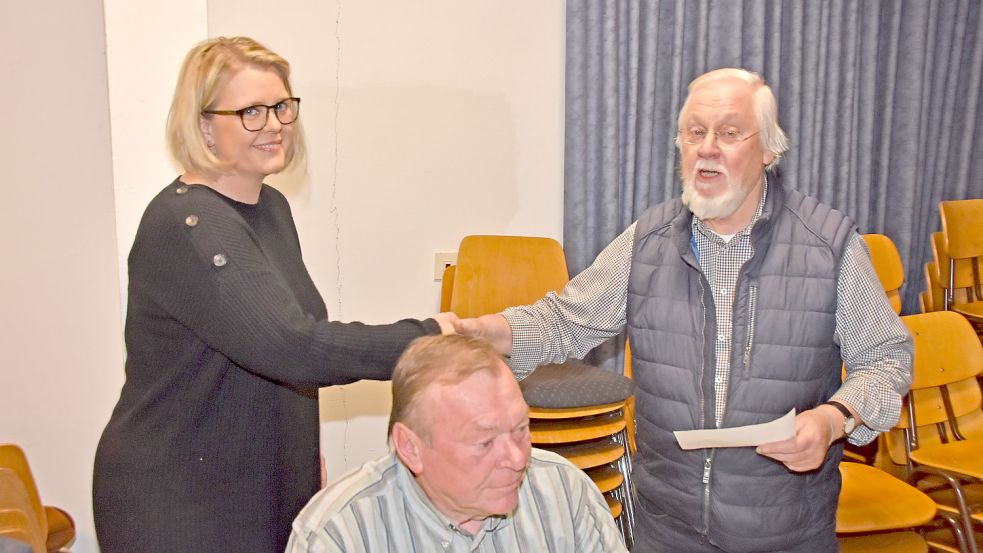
(849, 425)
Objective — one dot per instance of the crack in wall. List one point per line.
(335, 212)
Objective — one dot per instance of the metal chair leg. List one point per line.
(625, 491)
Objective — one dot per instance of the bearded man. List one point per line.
(742, 299)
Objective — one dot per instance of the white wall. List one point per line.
(61, 338)
(145, 45)
(426, 121)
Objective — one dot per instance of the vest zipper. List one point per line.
(707, 465)
(708, 460)
(703, 360)
(752, 304)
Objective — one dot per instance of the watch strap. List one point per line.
(849, 422)
(841, 408)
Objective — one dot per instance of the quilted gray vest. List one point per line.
(785, 358)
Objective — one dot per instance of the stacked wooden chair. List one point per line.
(44, 528)
(962, 225)
(932, 298)
(576, 410)
(878, 511)
(18, 522)
(938, 443)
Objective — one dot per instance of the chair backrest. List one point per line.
(887, 264)
(945, 397)
(962, 270)
(12, 457)
(495, 272)
(17, 518)
(933, 298)
(447, 287)
(962, 225)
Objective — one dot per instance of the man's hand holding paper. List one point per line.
(815, 430)
(776, 431)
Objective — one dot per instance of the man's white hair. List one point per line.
(772, 136)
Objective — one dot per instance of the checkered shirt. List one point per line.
(875, 345)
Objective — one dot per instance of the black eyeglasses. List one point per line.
(254, 118)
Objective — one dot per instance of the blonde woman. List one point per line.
(213, 445)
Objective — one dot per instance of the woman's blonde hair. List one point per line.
(206, 68)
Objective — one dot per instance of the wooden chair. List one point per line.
(447, 287)
(56, 525)
(933, 297)
(877, 512)
(962, 225)
(961, 273)
(17, 519)
(940, 436)
(576, 409)
(887, 264)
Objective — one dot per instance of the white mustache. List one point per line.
(709, 165)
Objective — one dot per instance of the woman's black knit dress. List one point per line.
(213, 446)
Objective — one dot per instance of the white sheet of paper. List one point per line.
(779, 429)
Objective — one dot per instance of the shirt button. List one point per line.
(717, 380)
(722, 291)
(181, 189)
(191, 220)
(721, 338)
(445, 544)
(219, 260)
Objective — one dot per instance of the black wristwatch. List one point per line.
(849, 423)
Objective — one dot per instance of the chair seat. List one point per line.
(963, 457)
(606, 478)
(574, 412)
(614, 505)
(872, 500)
(943, 540)
(573, 384)
(585, 455)
(895, 542)
(972, 310)
(61, 528)
(576, 430)
(945, 497)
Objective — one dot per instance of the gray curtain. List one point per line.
(881, 101)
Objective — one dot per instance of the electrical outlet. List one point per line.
(442, 260)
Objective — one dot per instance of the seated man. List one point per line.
(462, 474)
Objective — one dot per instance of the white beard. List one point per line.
(722, 205)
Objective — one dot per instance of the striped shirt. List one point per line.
(874, 343)
(379, 508)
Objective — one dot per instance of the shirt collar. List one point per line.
(426, 511)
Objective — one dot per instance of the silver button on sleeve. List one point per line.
(219, 260)
(191, 220)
